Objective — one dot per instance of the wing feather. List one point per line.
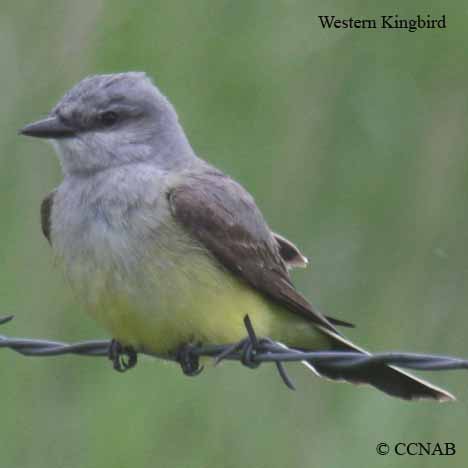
(224, 218)
(290, 254)
(46, 210)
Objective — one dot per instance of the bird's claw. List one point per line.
(123, 357)
(188, 360)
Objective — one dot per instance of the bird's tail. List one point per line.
(388, 379)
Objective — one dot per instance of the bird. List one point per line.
(164, 250)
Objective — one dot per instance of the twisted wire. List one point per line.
(251, 352)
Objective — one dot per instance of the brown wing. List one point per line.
(221, 215)
(46, 210)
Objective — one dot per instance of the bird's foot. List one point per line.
(123, 357)
(188, 360)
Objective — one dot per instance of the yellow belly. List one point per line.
(192, 301)
(159, 289)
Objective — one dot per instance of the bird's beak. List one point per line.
(51, 127)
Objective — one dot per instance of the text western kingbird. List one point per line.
(164, 249)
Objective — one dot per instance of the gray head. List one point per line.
(110, 120)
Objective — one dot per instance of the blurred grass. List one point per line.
(354, 145)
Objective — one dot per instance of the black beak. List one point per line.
(51, 127)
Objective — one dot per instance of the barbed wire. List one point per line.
(251, 352)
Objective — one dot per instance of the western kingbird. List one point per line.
(165, 250)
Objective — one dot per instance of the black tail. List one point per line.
(388, 379)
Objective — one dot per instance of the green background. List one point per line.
(354, 146)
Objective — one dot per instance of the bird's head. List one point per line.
(109, 120)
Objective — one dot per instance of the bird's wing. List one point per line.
(224, 218)
(46, 210)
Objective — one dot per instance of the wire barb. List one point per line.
(251, 352)
(248, 351)
(6, 319)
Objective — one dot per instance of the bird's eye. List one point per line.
(109, 118)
